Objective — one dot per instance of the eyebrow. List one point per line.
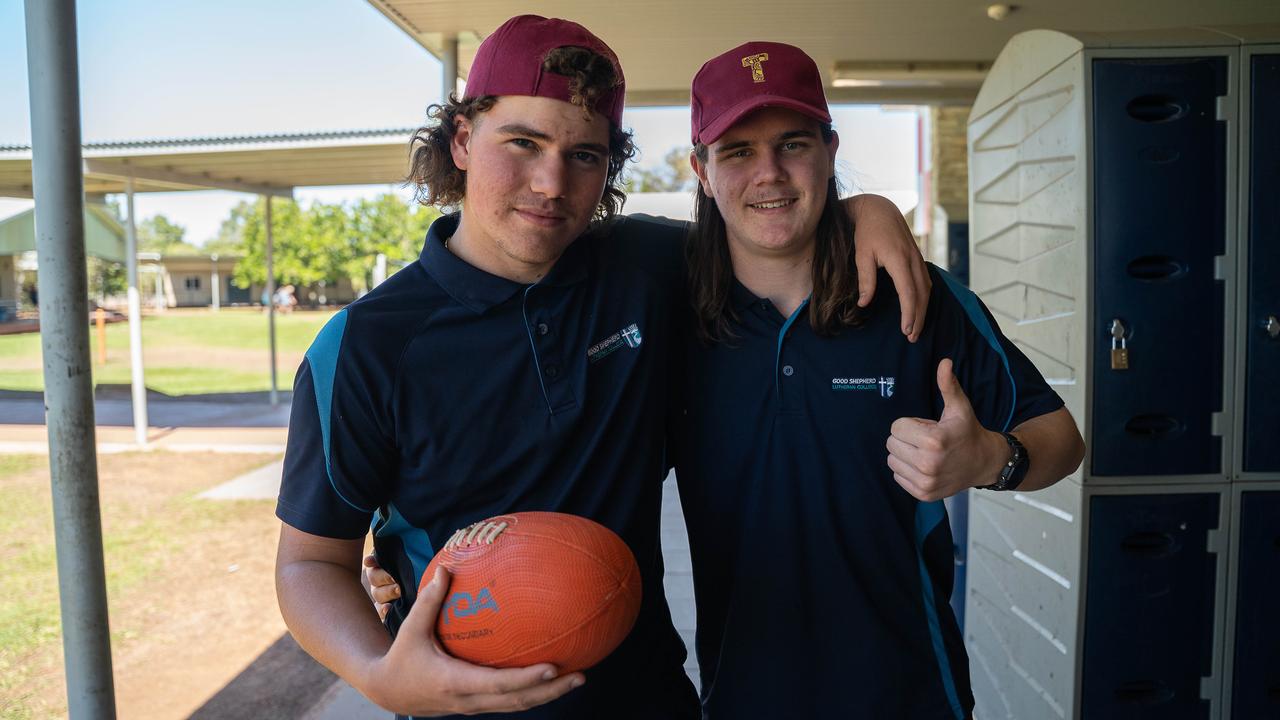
(790, 134)
(520, 130)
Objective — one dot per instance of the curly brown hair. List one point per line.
(438, 181)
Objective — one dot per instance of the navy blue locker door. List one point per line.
(1262, 371)
(1149, 607)
(1255, 690)
(1159, 197)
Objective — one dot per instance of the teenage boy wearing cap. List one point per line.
(521, 364)
(823, 572)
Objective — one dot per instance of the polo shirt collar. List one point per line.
(478, 290)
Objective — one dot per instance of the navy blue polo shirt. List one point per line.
(449, 395)
(822, 585)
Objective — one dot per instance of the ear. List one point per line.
(831, 150)
(459, 147)
(700, 169)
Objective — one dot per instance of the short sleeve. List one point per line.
(1003, 386)
(338, 457)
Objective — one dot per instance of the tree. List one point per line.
(323, 242)
(159, 234)
(673, 175)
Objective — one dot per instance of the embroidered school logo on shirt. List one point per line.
(883, 384)
(628, 336)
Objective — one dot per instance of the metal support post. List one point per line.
(137, 381)
(271, 302)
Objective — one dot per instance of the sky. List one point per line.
(183, 68)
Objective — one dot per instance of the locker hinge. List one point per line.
(1225, 108)
(1216, 421)
(1220, 267)
(1214, 541)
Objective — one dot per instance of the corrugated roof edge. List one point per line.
(229, 140)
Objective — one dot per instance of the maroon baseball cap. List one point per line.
(509, 62)
(752, 76)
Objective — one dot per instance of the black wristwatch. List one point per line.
(1013, 471)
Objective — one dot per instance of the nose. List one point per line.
(770, 168)
(550, 177)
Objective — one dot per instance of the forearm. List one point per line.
(1054, 445)
(330, 616)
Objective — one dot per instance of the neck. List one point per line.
(785, 278)
(486, 253)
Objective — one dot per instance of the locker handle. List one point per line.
(1144, 692)
(1152, 425)
(1157, 108)
(1149, 543)
(1156, 267)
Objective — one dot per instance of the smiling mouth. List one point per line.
(772, 204)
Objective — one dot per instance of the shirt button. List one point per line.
(552, 371)
(543, 329)
(788, 370)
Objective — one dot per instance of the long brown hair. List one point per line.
(438, 181)
(833, 306)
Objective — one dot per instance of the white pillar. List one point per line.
(215, 284)
(380, 269)
(58, 186)
(448, 67)
(137, 381)
(271, 302)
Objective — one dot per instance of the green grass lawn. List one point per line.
(184, 352)
(153, 526)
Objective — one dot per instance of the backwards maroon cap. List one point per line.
(509, 62)
(752, 76)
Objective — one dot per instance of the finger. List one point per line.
(471, 679)
(924, 288)
(382, 594)
(524, 699)
(909, 454)
(953, 398)
(908, 296)
(865, 263)
(379, 577)
(421, 621)
(383, 609)
(371, 561)
(917, 432)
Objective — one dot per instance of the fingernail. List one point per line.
(577, 682)
(910, 328)
(549, 675)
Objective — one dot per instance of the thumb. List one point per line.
(953, 398)
(421, 621)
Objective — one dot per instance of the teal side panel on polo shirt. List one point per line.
(969, 302)
(322, 357)
(928, 515)
(389, 522)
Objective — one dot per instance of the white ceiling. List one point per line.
(662, 43)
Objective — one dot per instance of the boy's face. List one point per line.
(768, 175)
(536, 170)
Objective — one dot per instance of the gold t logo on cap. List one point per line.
(755, 63)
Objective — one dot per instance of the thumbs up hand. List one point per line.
(935, 459)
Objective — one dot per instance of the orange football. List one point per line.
(534, 587)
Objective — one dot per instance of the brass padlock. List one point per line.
(1119, 347)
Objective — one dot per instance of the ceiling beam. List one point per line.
(121, 169)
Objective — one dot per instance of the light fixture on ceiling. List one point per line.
(1000, 11)
(922, 74)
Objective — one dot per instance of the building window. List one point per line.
(192, 282)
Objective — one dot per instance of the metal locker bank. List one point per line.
(1125, 231)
